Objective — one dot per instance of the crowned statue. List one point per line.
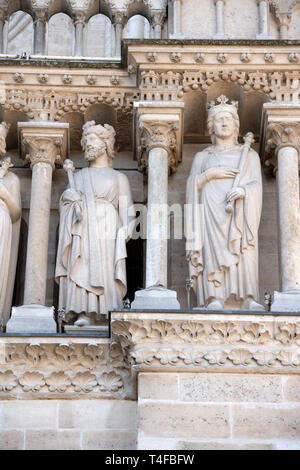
(224, 199)
(95, 223)
(10, 215)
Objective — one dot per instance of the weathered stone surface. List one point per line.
(264, 422)
(162, 419)
(109, 440)
(230, 388)
(158, 386)
(11, 440)
(52, 440)
(29, 414)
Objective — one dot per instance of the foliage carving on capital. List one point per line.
(119, 17)
(41, 149)
(158, 17)
(281, 134)
(158, 134)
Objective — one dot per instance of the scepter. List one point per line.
(249, 140)
(69, 168)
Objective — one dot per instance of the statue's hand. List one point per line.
(235, 193)
(220, 173)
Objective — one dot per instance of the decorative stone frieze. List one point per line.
(208, 342)
(65, 368)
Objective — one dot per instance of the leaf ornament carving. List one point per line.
(289, 358)
(94, 352)
(192, 331)
(32, 381)
(84, 382)
(191, 356)
(264, 358)
(289, 332)
(65, 351)
(143, 356)
(162, 329)
(35, 351)
(110, 382)
(58, 382)
(7, 381)
(256, 333)
(167, 356)
(224, 331)
(240, 357)
(216, 357)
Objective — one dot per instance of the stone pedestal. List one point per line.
(31, 319)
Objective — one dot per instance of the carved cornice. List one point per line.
(204, 342)
(89, 368)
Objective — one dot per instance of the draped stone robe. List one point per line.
(222, 248)
(95, 224)
(9, 242)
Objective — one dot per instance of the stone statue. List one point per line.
(95, 224)
(10, 215)
(224, 199)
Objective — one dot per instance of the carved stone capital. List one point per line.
(283, 19)
(80, 16)
(44, 142)
(41, 15)
(279, 135)
(158, 18)
(119, 17)
(217, 1)
(159, 131)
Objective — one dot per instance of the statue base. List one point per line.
(88, 330)
(156, 297)
(288, 301)
(32, 319)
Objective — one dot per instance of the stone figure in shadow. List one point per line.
(96, 221)
(10, 218)
(224, 199)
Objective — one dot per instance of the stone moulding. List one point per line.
(208, 342)
(46, 368)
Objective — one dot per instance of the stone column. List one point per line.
(44, 145)
(220, 34)
(159, 148)
(177, 32)
(263, 20)
(157, 21)
(79, 22)
(284, 139)
(3, 19)
(284, 20)
(118, 20)
(41, 17)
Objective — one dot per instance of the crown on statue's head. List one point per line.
(222, 105)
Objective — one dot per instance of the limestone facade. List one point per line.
(149, 68)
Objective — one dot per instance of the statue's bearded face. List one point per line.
(93, 147)
(224, 125)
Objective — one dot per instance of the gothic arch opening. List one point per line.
(60, 35)
(20, 33)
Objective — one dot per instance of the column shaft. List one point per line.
(177, 17)
(157, 218)
(219, 17)
(157, 31)
(38, 234)
(263, 17)
(39, 37)
(288, 218)
(1, 36)
(118, 35)
(78, 39)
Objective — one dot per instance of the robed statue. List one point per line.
(96, 221)
(10, 218)
(224, 199)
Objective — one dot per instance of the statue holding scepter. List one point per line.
(224, 197)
